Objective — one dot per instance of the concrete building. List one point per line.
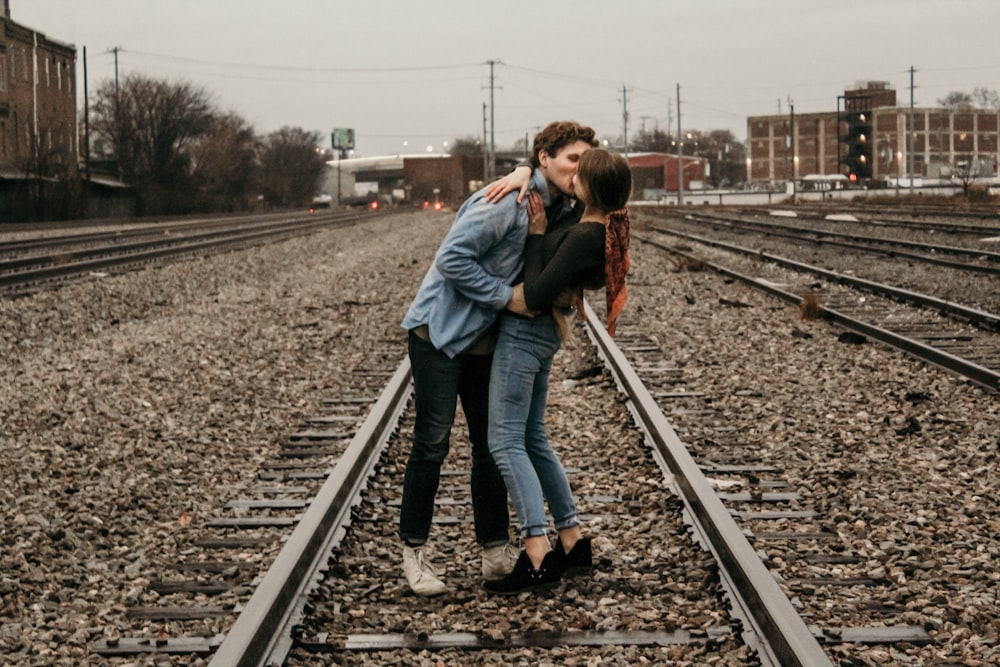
(865, 139)
(38, 137)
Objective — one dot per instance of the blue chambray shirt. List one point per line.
(474, 270)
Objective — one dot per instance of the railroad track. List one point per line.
(273, 522)
(331, 585)
(962, 339)
(30, 264)
(758, 493)
(975, 257)
(871, 208)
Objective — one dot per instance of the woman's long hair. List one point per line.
(604, 182)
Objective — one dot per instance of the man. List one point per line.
(451, 336)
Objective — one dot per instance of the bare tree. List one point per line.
(224, 163)
(956, 99)
(726, 155)
(655, 141)
(290, 166)
(986, 98)
(468, 145)
(152, 125)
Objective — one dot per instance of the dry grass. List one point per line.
(810, 307)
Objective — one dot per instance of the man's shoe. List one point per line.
(499, 561)
(579, 562)
(420, 574)
(525, 577)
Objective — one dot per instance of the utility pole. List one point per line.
(680, 152)
(795, 166)
(115, 51)
(493, 146)
(625, 119)
(486, 149)
(118, 119)
(34, 94)
(909, 135)
(86, 120)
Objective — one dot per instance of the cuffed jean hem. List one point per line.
(534, 531)
(568, 523)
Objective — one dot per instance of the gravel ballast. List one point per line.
(133, 407)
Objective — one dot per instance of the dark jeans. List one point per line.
(438, 383)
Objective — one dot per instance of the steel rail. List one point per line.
(154, 250)
(985, 377)
(262, 635)
(981, 317)
(784, 638)
(867, 243)
(167, 237)
(120, 230)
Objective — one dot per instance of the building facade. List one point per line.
(37, 100)
(866, 140)
(38, 137)
(655, 174)
(786, 147)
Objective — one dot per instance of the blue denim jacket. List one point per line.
(474, 270)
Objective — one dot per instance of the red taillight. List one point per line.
(373, 205)
(426, 204)
(437, 206)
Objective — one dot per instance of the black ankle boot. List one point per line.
(525, 577)
(579, 562)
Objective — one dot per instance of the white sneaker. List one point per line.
(498, 562)
(420, 574)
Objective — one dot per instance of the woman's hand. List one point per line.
(537, 222)
(519, 179)
(517, 304)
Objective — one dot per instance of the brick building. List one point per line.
(776, 152)
(865, 139)
(655, 174)
(38, 138)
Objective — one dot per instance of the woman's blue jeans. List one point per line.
(519, 387)
(438, 383)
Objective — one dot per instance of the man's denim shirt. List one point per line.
(474, 270)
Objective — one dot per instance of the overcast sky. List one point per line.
(411, 74)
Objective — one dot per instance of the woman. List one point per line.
(559, 263)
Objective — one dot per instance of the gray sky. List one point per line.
(408, 74)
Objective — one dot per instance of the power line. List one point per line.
(293, 68)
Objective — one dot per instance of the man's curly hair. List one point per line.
(559, 134)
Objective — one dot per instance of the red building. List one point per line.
(655, 173)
